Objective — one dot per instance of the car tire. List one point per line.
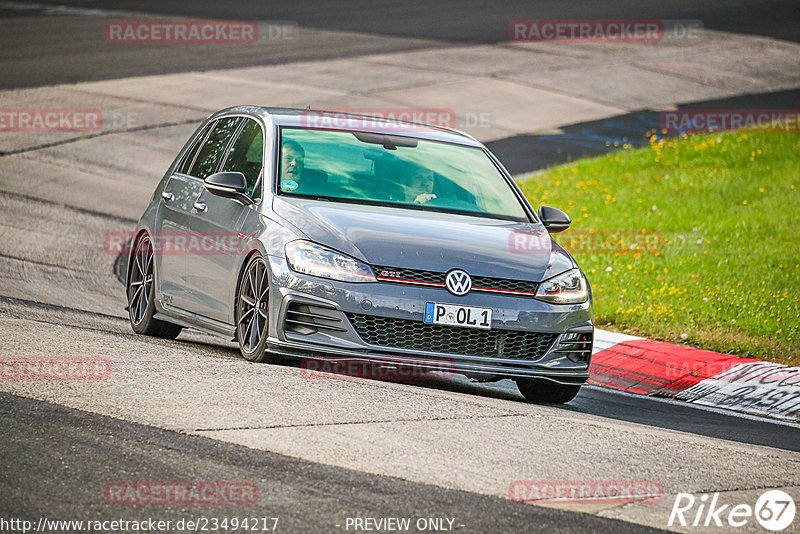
(540, 392)
(140, 292)
(251, 311)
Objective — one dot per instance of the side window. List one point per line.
(246, 155)
(186, 163)
(210, 154)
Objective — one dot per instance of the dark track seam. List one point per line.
(84, 211)
(346, 423)
(98, 134)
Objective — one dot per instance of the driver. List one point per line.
(420, 187)
(292, 162)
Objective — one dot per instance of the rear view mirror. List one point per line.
(229, 185)
(553, 219)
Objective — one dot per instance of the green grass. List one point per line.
(715, 224)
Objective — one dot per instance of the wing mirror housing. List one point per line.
(553, 219)
(229, 185)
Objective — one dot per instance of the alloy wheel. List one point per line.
(253, 306)
(141, 280)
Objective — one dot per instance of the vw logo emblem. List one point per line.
(458, 282)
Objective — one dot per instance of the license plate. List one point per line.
(466, 316)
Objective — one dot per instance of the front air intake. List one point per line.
(305, 319)
(577, 346)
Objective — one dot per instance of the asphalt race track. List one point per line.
(319, 450)
(305, 497)
(58, 52)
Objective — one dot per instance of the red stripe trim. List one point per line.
(504, 291)
(439, 284)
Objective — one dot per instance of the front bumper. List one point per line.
(309, 319)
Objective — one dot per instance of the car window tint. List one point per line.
(403, 171)
(246, 154)
(209, 156)
(188, 158)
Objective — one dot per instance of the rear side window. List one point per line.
(186, 163)
(214, 147)
(246, 155)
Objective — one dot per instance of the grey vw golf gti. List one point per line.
(331, 236)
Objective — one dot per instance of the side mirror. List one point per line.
(229, 185)
(553, 219)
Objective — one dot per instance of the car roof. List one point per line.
(346, 121)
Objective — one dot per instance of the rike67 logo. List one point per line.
(774, 510)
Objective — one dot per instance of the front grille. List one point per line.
(415, 335)
(504, 285)
(479, 283)
(391, 274)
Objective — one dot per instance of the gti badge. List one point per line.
(458, 282)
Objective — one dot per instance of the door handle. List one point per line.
(167, 196)
(200, 206)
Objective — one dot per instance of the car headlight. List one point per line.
(566, 288)
(313, 259)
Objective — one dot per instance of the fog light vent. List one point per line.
(308, 319)
(577, 346)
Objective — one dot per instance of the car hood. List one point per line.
(414, 239)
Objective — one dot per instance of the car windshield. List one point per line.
(394, 170)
